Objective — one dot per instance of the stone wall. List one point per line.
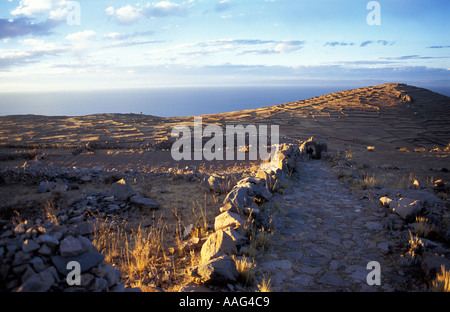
(242, 206)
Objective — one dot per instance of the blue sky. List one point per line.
(135, 44)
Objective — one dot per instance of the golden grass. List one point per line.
(139, 253)
(442, 281)
(415, 245)
(245, 269)
(421, 227)
(265, 285)
(154, 255)
(51, 210)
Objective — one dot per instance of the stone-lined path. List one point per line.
(327, 237)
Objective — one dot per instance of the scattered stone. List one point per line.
(385, 201)
(194, 287)
(220, 270)
(87, 261)
(70, 246)
(7, 233)
(47, 239)
(30, 245)
(19, 228)
(45, 250)
(194, 243)
(88, 227)
(38, 264)
(44, 187)
(187, 231)
(121, 190)
(39, 282)
(144, 202)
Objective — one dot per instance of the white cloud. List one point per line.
(54, 9)
(127, 14)
(82, 41)
(32, 7)
(110, 11)
(130, 14)
(82, 35)
(287, 46)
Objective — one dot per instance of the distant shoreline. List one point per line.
(164, 102)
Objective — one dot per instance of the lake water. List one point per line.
(164, 102)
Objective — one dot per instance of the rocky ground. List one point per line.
(330, 234)
(103, 191)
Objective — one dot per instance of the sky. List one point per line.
(58, 45)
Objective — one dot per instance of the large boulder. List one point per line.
(408, 208)
(218, 244)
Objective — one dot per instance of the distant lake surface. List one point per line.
(163, 102)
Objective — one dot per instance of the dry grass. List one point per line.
(415, 245)
(265, 285)
(349, 154)
(420, 150)
(245, 269)
(154, 255)
(145, 256)
(442, 281)
(421, 227)
(51, 210)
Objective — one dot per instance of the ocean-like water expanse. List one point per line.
(163, 102)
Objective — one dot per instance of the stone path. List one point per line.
(327, 238)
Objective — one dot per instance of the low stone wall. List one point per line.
(243, 206)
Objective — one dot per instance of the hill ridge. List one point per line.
(389, 116)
